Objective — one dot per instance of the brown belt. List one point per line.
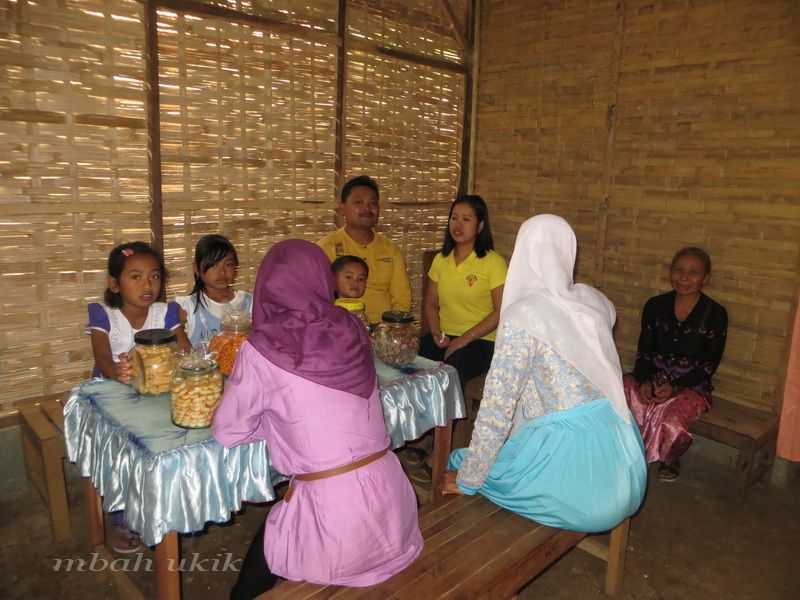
(335, 471)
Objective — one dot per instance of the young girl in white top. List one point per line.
(136, 273)
(215, 266)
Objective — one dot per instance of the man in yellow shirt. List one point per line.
(387, 284)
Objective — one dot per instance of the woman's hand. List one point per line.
(440, 339)
(448, 485)
(646, 392)
(663, 392)
(123, 368)
(456, 344)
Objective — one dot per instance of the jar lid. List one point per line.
(351, 304)
(153, 337)
(196, 363)
(397, 316)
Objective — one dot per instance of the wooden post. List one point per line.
(341, 86)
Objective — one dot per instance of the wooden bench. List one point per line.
(753, 432)
(42, 429)
(475, 549)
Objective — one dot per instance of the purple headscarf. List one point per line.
(296, 327)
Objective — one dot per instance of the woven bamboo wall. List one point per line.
(653, 125)
(247, 140)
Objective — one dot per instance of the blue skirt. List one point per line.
(581, 469)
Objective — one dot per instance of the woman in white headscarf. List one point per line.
(554, 440)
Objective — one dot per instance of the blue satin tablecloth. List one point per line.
(167, 478)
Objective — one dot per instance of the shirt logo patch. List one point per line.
(386, 259)
(339, 249)
(471, 279)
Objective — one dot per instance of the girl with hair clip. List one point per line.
(215, 266)
(136, 274)
(554, 440)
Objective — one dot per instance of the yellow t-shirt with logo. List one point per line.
(465, 290)
(387, 282)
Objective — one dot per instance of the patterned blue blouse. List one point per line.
(524, 369)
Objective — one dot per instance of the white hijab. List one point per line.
(572, 318)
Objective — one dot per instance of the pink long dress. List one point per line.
(355, 529)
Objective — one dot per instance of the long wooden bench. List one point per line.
(753, 432)
(475, 549)
(42, 429)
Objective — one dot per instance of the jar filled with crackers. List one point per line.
(153, 359)
(196, 392)
(235, 327)
(396, 339)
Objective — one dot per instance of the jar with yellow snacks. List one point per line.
(196, 392)
(153, 360)
(233, 331)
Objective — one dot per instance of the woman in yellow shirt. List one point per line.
(462, 302)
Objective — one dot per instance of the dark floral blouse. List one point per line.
(684, 353)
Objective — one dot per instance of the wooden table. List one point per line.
(126, 446)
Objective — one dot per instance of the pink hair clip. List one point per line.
(127, 252)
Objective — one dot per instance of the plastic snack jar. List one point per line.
(396, 339)
(153, 359)
(196, 392)
(232, 334)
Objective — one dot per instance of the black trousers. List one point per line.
(255, 578)
(470, 361)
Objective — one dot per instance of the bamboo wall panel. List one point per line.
(247, 130)
(247, 143)
(410, 25)
(403, 126)
(702, 147)
(73, 179)
(542, 103)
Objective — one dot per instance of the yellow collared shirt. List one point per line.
(387, 282)
(465, 290)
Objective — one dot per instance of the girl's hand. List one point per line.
(123, 368)
(440, 339)
(448, 485)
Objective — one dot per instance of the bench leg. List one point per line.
(56, 488)
(617, 549)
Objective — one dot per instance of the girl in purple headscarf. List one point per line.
(305, 382)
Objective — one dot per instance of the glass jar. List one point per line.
(225, 344)
(196, 392)
(396, 339)
(153, 360)
(356, 307)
